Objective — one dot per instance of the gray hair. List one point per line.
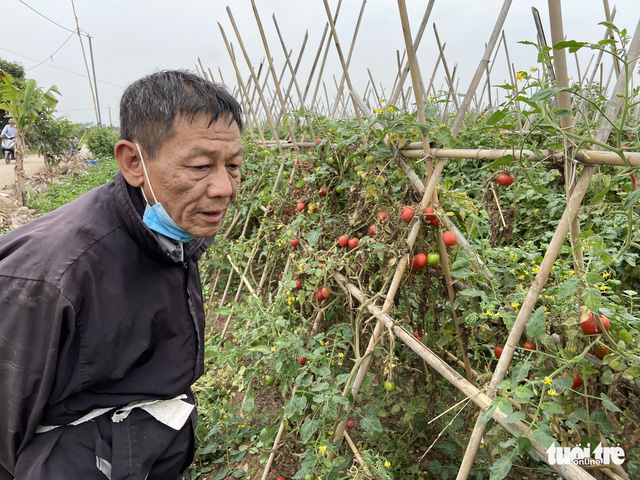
(151, 105)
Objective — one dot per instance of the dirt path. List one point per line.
(32, 164)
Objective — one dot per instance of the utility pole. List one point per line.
(110, 122)
(95, 82)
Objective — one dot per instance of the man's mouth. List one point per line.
(214, 216)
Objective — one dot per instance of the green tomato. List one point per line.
(389, 386)
(330, 160)
(339, 189)
(433, 259)
(269, 379)
(308, 476)
(370, 159)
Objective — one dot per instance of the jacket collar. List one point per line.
(129, 204)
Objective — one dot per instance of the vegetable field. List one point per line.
(416, 288)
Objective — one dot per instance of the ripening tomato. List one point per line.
(449, 238)
(529, 346)
(350, 424)
(302, 361)
(300, 206)
(323, 192)
(601, 352)
(294, 242)
(353, 243)
(343, 241)
(435, 222)
(381, 216)
(326, 293)
(298, 284)
(318, 295)
(591, 327)
(418, 262)
(372, 231)
(577, 381)
(497, 351)
(505, 179)
(407, 214)
(428, 214)
(417, 336)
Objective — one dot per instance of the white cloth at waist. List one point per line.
(174, 413)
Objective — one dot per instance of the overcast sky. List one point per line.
(131, 38)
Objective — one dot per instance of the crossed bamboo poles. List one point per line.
(422, 150)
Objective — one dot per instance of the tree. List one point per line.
(17, 71)
(52, 136)
(24, 105)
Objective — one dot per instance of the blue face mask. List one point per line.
(156, 217)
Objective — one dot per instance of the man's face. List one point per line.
(195, 175)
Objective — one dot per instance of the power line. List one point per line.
(44, 16)
(51, 56)
(59, 68)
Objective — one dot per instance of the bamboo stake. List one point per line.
(315, 62)
(241, 83)
(353, 44)
(272, 455)
(375, 90)
(344, 65)
(293, 75)
(324, 57)
(398, 86)
(446, 69)
(564, 101)
(466, 102)
(476, 395)
(571, 210)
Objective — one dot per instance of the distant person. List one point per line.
(102, 317)
(9, 129)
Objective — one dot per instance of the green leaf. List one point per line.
(568, 288)
(546, 93)
(488, 414)
(524, 444)
(608, 404)
(500, 161)
(543, 438)
(632, 198)
(497, 116)
(295, 405)
(536, 324)
(308, 429)
(515, 417)
(220, 475)
(572, 45)
(371, 424)
(500, 469)
(238, 473)
(312, 237)
(504, 405)
(592, 298)
(224, 310)
(601, 194)
(552, 407)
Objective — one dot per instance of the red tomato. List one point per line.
(418, 262)
(429, 211)
(298, 284)
(577, 381)
(602, 351)
(323, 192)
(326, 293)
(529, 346)
(343, 241)
(319, 296)
(302, 361)
(372, 231)
(294, 242)
(353, 243)
(381, 216)
(497, 351)
(417, 336)
(449, 238)
(590, 325)
(435, 222)
(505, 179)
(407, 214)
(350, 424)
(300, 206)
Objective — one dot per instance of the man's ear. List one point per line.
(128, 158)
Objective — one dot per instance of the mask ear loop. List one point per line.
(144, 169)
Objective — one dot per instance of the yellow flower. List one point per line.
(330, 432)
(552, 392)
(513, 257)
(520, 75)
(534, 270)
(521, 277)
(377, 110)
(603, 288)
(273, 349)
(488, 312)
(241, 426)
(321, 342)
(606, 275)
(547, 381)
(382, 100)
(322, 448)
(443, 124)
(431, 97)
(533, 69)
(571, 273)
(341, 355)
(387, 464)
(515, 304)
(513, 271)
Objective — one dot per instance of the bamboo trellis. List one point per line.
(589, 158)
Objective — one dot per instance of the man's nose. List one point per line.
(221, 185)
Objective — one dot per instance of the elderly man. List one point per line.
(101, 311)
